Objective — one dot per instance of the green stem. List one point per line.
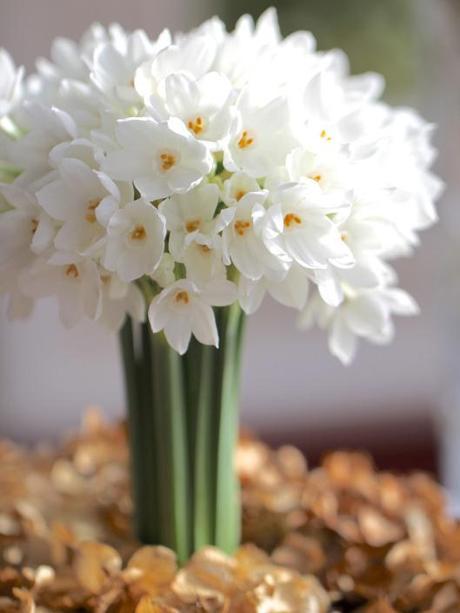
(204, 490)
(228, 513)
(171, 448)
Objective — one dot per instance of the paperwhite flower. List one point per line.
(292, 291)
(10, 83)
(47, 127)
(119, 299)
(261, 136)
(82, 199)
(188, 215)
(160, 158)
(182, 309)
(193, 56)
(203, 105)
(328, 168)
(237, 186)
(299, 229)
(243, 242)
(365, 313)
(135, 240)
(113, 68)
(25, 231)
(20, 219)
(194, 231)
(75, 283)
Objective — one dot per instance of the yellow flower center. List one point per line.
(182, 296)
(138, 233)
(167, 161)
(72, 271)
(196, 125)
(325, 135)
(204, 249)
(242, 226)
(90, 209)
(245, 140)
(239, 194)
(192, 225)
(317, 178)
(292, 219)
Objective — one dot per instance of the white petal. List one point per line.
(342, 341)
(178, 332)
(204, 324)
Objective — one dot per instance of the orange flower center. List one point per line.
(239, 194)
(139, 233)
(90, 209)
(242, 226)
(245, 140)
(291, 219)
(72, 271)
(167, 161)
(182, 296)
(192, 225)
(196, 125)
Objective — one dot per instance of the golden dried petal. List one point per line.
(94, 563)
(302, 553)
(157, 566)
(26, 600)
(376, 529)
(209, 574)
(292, 462)
(148, 605)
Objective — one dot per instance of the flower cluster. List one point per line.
(193, 171)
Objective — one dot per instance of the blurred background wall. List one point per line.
(389, 400)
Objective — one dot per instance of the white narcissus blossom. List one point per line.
(329, 169)
(261, 136)
(298, 227)
(183, 309)
(10, 83)
(363, 313)
(206, 168)
(160, 158)
(194, 231)
(113, 68)
(243, 242)
(193, 56)
(204, 105)
(135, 240)
(74, 281)
(119, 299)
(83, 200)
(291, 291)
(237, 186)
(46, 128)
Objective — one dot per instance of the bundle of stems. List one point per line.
(183, 428)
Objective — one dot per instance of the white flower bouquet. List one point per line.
(167, 186)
